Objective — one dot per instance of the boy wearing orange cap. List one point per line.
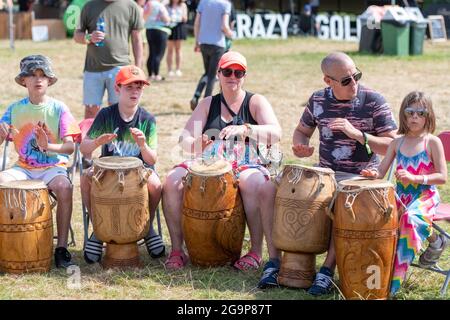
(125, 129)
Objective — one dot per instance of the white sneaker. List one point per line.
(178, 73)
(171, 73)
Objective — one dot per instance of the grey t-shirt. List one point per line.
(121, 17)
(211, 13)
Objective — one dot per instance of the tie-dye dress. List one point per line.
(418, 204)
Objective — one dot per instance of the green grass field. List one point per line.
(286, 72)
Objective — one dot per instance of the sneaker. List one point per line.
(194, 102)
(93, 250)
(431, 255)
(178, 73)
(323, 283)
(269, 278)
(63, 258)
(155, 246)
(171, 74)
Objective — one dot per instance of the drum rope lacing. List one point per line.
(12, 200)
(296, 174)
(352, 194)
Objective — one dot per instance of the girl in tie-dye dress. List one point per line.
(420, 167)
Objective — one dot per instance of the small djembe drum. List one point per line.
(301, 227)
(365, 237)
(26, 227)
(120, 208)
(213, 215)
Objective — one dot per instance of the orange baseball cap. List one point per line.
(129, 74)
(232, 57)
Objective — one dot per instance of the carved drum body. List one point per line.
(213, 218)
(301, 226)
(26, 227)
(365, 237)
(120, 208)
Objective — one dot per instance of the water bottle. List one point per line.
(100, 27)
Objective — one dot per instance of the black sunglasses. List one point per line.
(420, 112)
(347, 80)
(227, 72)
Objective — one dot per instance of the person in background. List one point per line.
(178, 13)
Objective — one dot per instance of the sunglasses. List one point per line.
(228, 72)
(420, 112)
(347, 80)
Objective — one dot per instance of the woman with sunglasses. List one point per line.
(355, 124)
(230, 125)
(420, 167)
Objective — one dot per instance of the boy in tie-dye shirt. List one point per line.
(43, 131)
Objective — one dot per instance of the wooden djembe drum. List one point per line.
(26, 227)
(120, 208)
(301, 227)
(213, 215)
(365, 237)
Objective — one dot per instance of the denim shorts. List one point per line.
(94, 85)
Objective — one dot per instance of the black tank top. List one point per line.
(215, 121)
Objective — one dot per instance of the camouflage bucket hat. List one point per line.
(32, 63)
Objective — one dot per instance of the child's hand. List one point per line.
(41, 138)
(105, 138)
(4, 130)
(138, 136)
(404, 176)
(302, 151)
(369, 173)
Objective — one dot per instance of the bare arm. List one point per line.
(388, 159)
(138, 49)
(88, 145)
(197, 28)
(184, 16)
(80, 37)
(226, 26)
(192, 139)
(440, 166)
(302, 134)
(67, 147)
(148, 154)
(378, 144)
(268, 130)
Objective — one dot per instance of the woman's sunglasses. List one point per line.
(228, 72)
(420, 112)
(347, 80)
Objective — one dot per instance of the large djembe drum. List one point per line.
(301, 227)
(120, 208)
(26, 227)
(213, 215)
(365, 237)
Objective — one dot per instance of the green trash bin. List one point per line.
(417, 36)
(395, 34)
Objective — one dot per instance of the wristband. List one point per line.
(425, 179)
(88, 37)
(366, 144)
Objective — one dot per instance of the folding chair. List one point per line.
(442, 214)
(78, 163)
(52, 194)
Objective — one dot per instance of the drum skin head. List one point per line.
(366, 183)
(304, 167)
(117, 163)
(24, 184)
(210, 169)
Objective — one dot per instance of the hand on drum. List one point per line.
(404, 176)
(138, 136)
(302, 150)
(232, 131)
(203, 140)
(41, 136)
(345, 126)
(105, 138)
(369, 173)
